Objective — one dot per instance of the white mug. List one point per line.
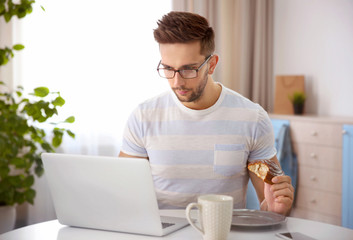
(215, 216)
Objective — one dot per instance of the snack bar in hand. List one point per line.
(265, 169)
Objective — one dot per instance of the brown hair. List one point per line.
(184, 27)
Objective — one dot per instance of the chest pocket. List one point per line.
(229, 159)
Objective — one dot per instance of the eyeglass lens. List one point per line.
(184, 73)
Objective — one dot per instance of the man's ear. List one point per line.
(213, 63)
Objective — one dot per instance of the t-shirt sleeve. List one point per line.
(133, 143)
(263, 140)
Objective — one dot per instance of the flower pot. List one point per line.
(298, 108)
(7, 218)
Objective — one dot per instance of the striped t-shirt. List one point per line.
(195, 152)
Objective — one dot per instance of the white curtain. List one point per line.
(244, 40)
(6, 41)
(102, 57)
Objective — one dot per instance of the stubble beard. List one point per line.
(195, 95)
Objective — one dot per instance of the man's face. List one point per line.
(185, 56)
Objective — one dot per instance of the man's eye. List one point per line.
(168, 68)
(189, 68)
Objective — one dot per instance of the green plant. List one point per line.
(298, 98)
(9, 9)
(23, 135)
(22, 140)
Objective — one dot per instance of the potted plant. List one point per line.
(23, 138)
(298, 101)
(24, 131)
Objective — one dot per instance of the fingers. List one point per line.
(280, 179)
(284, 200)
(279, 186)
(284, 192)
(282, 189)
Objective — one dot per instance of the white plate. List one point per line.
(256, 218)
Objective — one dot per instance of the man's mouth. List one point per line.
(181, 91)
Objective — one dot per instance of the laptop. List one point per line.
(106, 193)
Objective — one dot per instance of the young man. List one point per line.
(200, 136)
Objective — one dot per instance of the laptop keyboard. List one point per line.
(165, 225)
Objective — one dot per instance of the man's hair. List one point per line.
(185, 27)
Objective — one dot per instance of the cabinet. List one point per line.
(318, 143)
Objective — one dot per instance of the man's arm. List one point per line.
(258, 185)
(277, 197)
(122, 154)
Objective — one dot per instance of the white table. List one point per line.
(53, 230)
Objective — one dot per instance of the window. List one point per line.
(100, 55)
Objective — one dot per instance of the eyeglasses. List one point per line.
(184, 73)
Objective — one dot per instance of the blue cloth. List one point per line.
(347, 177)
(286, 156)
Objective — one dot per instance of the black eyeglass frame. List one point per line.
(180, 71)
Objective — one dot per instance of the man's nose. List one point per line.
(178, 80)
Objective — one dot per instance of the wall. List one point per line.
(315, 38)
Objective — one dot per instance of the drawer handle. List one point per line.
(313, 178)
(314, 133)
(313, 201)
(313, 155)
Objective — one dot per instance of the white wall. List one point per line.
(315, 38)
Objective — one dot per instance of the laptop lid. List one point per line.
(107, 193)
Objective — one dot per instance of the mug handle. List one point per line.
(188, 208)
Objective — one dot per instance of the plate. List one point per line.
(256, 218)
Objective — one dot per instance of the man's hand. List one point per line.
(279, 196)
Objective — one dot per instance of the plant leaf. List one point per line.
(58, 136)
(39, 171)
(18, 47)
(4, 171)
(59, 101)
(41, 91)
(47, 147)
(18, 162)
(56, 141)
(29, 181)
(29, 195)
(70, 119)
(19, 94)
(7, 16)
(71, 134)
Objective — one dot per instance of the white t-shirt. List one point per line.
(195, 152)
